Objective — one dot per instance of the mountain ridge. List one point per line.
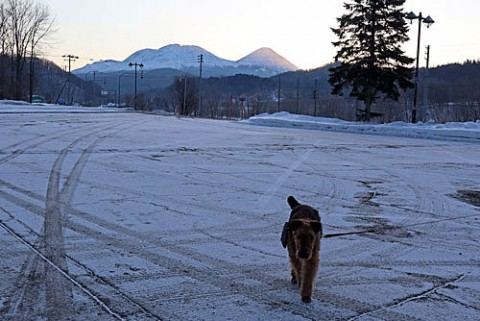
(264, 62)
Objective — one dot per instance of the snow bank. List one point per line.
(469, 131)
(13, 106)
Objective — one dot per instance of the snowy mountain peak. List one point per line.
(267, 56)
(262, 62)
(176, 56)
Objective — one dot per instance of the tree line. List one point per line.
(25, 26)
(450, 93)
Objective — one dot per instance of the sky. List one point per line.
(299, 30)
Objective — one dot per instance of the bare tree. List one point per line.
(29, 23)
(41, 29)
(185, 90)
(3, 29)
(3, 49)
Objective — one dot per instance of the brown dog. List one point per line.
(302, 236)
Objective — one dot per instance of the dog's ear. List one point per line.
(292, 202)
(293, 225)
(316, 226)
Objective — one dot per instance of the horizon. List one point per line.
(300, 32)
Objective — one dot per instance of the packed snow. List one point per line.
(108, 214)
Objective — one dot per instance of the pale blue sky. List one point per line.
(297, 29)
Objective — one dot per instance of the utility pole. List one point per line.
(136, 65)
(184, 109)
(428, 21)
(31, 74)
(414, 110)
(94, 85)
(315, 97)
(298, 95)
(279, 93)
(70, 58)
(200, 61)
(426, 116)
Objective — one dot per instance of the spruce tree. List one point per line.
(370, 62)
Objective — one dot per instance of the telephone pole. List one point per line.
(426, 116)
(184, 109)
(279, 93)
(70, 58)
(315, 97)
(298, 95)
(200, 61)
(136, 65)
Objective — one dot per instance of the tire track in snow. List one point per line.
(268, 283)
(37, 141)
(58, 288)
(59, 296)
(57, 203)
(27, 288)
(32, 277)
(214, 272)
(257, 293)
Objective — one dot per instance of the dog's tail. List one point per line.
(292, 202)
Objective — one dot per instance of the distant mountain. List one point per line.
(263, 62)
(267, 57)
(176, 57)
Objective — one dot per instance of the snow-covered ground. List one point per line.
(114, 215)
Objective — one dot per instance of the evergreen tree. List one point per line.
(370, 62)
